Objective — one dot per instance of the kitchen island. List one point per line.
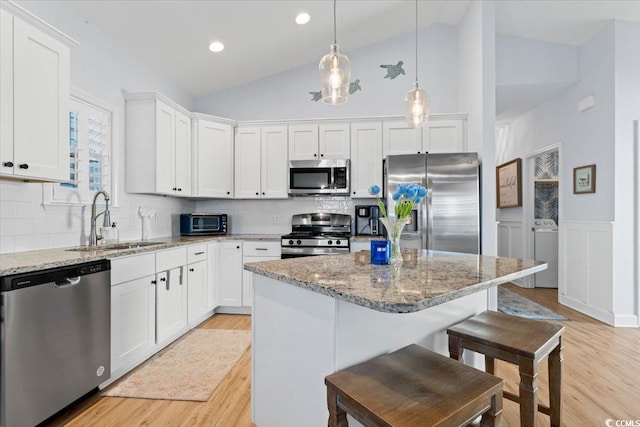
(313, 316)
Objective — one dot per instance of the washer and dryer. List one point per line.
(545, 248)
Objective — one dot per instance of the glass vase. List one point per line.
(394, 228)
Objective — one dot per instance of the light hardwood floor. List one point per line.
(600, 381)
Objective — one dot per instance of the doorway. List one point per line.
(542, 213)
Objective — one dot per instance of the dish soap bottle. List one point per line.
(109, 234)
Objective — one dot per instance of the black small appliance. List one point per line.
(367, 223)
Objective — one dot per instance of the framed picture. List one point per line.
(509, 184)
(584, 179)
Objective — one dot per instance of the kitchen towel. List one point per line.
(190, 369)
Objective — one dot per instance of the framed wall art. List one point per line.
(509, 184)
(584, 179)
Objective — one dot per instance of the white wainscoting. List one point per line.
(512, 243)
(586, 270)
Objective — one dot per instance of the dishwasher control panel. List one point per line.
(32, 278)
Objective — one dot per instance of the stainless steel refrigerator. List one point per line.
(448, 219)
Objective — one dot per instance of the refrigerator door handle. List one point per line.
(428, 220)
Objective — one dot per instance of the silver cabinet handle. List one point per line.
(262, 249)
(199, 253)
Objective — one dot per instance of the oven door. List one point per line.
(308, 251)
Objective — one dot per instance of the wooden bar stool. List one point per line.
(413, 387)
(523, 342)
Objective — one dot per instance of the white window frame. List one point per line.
(49, 194)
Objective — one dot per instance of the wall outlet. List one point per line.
(276, 219)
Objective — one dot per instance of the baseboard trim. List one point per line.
(626, 321)
(590, 311)
(233, 310)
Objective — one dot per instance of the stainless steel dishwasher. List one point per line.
(55, 330)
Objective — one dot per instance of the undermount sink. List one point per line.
(115, 246)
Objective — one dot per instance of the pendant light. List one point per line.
(335, 72)
(416, 103)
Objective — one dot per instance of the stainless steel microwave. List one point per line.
(202, 224)
(310, 177)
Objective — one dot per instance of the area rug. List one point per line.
(516, 305)
(189, 370)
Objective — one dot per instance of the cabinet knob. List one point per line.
(315, 155)
(228, 192)
(153, 282)
(8, 164)
(263, 193)
(354, 192)
(179, 189)
(191, 269)
(24, 166)
(257, 194)
(175, 189)
(321, 155)
(163, 279)
(237, 247)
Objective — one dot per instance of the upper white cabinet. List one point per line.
(445, 136)
(324, 141)
(158, 145)
(366, 157)
(34, 97)
(261, 162)
(213, 157)
(441, 134)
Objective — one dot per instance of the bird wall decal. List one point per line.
(393, 71)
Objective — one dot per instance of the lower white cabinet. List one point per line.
(197, 286)
(256, 251)
(230, 273)
(133, 311)
(213, 261)
(171, 294)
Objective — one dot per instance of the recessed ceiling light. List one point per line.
(216, 47)
(303, 18)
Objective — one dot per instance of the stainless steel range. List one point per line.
(317, 234)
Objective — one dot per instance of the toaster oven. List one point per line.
(202, 224)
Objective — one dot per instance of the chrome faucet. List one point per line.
(94, 236)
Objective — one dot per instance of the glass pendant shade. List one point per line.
(335, 76)
(416, 107)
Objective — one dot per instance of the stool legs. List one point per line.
(555, 387)
(528, 392)
(337, 416)
(493, 416)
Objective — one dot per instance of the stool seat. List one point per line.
(523, 342)
(413, 387)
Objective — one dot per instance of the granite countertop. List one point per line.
(428, 279)
(24, 262)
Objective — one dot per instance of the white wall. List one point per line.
(286, 95)
(102, 67)
(602, 224)
(476, 95)
(627, 110)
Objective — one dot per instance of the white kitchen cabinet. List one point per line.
(171, 294)
(441, 134)
(324, 141)
(133, 311)
(34, 97)
(158, 145)
(261, 162)
(197, 286)
(359, 245)
(256, 251)
(366, 157)
(213, 157)
(399, 138)
(445, 136)
(230, 273)
(213, 263)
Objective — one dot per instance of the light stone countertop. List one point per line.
(429, 279)
(24, 262)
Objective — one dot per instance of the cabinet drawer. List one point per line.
(171, 258)
(124, 269)
(196, 253)
(261, 249)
